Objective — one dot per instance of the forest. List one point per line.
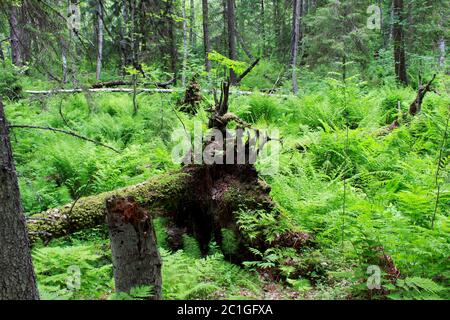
(224, 150)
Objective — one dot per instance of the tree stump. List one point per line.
(135, 255)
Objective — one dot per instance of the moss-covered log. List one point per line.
(203, 200)
(158, 195)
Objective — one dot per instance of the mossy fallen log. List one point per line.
(202, 201)
(158, 195)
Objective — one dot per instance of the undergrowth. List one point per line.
(390, 197)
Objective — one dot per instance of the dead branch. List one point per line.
(116, 83)
(249, 69)
(130, 90)
(415, 107)
(70, 133)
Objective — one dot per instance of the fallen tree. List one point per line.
(141, 90)
(200, 200)
(203, 200)
(158, 195)
(117, 83)
(99, 90)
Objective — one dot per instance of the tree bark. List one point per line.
(192, 35)
(185, 44)
(244, 45)
(135, 255)
(399, 43)
(442, 52)
(123, 42)
(263, 27)
(15, 35)
(231, 20)
(277, 25)
(17, 278)
(2, 56)
(295, 41)
(64, 60)
(173, 41)
(134, 36)
(25, 39)
(99, 41)
(206, 39)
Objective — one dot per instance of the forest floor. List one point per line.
(389, 200)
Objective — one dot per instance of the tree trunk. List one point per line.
(224, 36)
(231, 19)
(122, 38)
(135, 255)
(15, 35)
(442, 52)
(2, 56)
(263, 27)
(99, 41)
(25, 39)
(64, 60)
(295, 41)
(159, 195)
(185, 44)
(133, 35)
(399, 43)
(244, 47)
(206, 39)
(391, 27)
(277, 25)
(17, 278)
(143, 26)
(173, 41)
(192, 35)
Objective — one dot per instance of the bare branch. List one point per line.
(249, 69)
(70, 133)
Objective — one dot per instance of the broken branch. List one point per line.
(70, 133)
(249, 69)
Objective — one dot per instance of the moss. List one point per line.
(160, 193)
(250, 196)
